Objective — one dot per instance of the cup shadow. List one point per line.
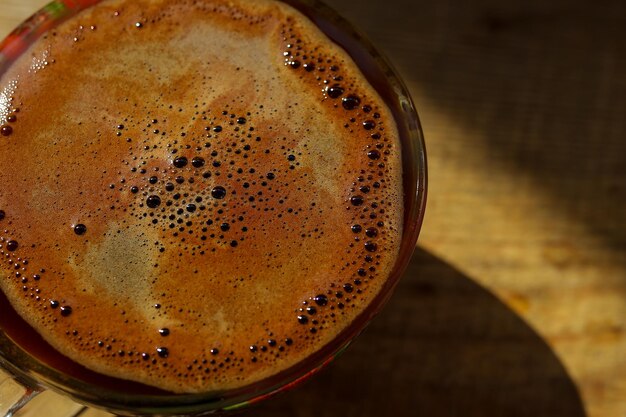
(443, 346)
(540, 83)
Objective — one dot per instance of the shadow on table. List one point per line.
(539, 84)
(442, 347)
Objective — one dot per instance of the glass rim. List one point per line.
(34, 372)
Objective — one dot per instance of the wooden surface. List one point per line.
(515, 301)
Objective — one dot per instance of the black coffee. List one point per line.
(196, 194)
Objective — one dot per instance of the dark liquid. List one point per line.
(23, 335)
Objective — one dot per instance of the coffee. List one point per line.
(196, 195)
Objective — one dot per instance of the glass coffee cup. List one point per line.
(36, 374)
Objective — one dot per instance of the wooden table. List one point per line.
(515, 301)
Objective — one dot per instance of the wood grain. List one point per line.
(515, 302)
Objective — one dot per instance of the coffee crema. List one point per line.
(196, 195)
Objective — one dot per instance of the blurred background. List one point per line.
(515, 301)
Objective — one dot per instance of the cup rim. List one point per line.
(32, 371)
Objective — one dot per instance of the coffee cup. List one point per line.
(201, 152)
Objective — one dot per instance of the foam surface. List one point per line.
(195, 194)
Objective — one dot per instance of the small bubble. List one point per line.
(357, 200)
(215, 351)
(54, 303)
(197, 162)
(303, 319)
(320, 300)
(369, 125)
(12, 245)
(80, 229)
(6, 130)
(373, 154)
(180, 162)
(350, 102)
(241, 120)
(164, 331)
(218, 192)
(153, 180)
(2, 214)
(153, 201)
(134, 189)
(66, 311)
(163, 352)
(334, 92)
(371, 246)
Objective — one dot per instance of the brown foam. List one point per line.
(99, 118)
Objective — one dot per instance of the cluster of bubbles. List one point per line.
(22, 271)
(212, 183)
(7, 129)
(363, 120)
